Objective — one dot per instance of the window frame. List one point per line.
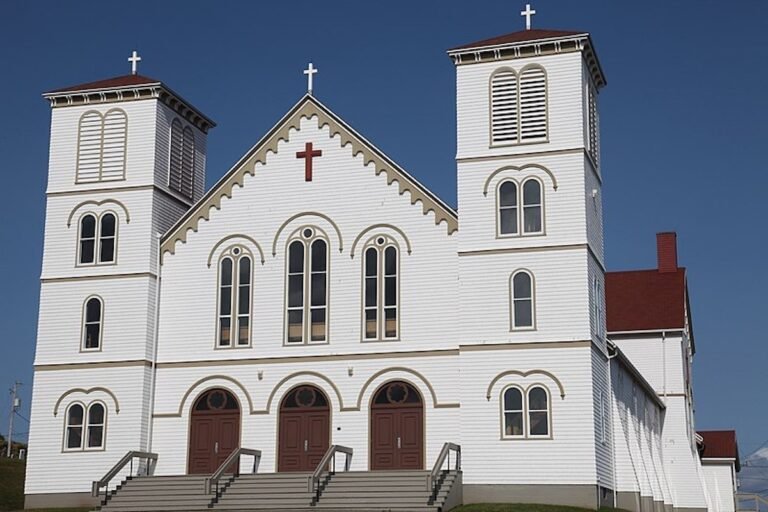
(520, 208)
(528, 411)
(512, 299)
(84, 324)
(97, 239)
(306, 308)
(518, 78)
(504, 412)
(235, 254)
(381, 306)
(85, 427)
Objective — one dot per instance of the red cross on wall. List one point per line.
(308, 155)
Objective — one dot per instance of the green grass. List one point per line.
(12, 488)
(522, 507)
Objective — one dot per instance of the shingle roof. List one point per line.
(645, 300)
(720, 444)
(519, 37)
(109, 83)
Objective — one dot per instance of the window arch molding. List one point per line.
(98, 204)
(239, 238)
(508, 168)
(518, 298)
(234, 298)
(307, 290)
(99, 245)
(92, 330)
(385, 228)
(293, 218)
(380, 289)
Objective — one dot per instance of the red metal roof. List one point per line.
(109, 83)
(720, 444)
(519, 37)
(645, 300)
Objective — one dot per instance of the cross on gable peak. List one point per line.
(310, 71)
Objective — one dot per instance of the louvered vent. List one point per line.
(504, 117)
(113, 151)
(533, 105)
(182, 159)
(89, 147)
(594, 148)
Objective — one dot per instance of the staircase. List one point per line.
(325, 489)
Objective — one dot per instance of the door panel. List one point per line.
(214, 431)
(384, 439)
(304, 438)
(411, 439)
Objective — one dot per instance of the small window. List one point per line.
(508, 208)
(538, 412)
(107, 231)
(307, 287)
(96, 423)
(87, 239)
(522, 300)
(74, 427)
(380, 289)
(513, 412)
(92, 324)
(532, 206)
(235, 277)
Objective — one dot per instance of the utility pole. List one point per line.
(14, 406)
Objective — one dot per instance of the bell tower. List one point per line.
(127, 159)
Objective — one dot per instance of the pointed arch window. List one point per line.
(235, 292)
(522, 299)
(520, 208)
(307, 287)
(92, 324)
(101, 146)
(85, 428)
(518, 106)
(97, 242)
(381, 289)
(181, 174)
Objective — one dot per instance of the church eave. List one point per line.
(308, 107)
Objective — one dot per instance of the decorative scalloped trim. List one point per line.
(258, 154)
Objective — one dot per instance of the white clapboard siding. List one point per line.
(89, 147)
(721, 485)
(504, 107)
(593, 198)
(533, 104)
(660, 360)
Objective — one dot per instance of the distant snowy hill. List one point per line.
(754, 473)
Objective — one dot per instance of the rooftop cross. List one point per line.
(528, 14)
(309, 72)
(134, 59)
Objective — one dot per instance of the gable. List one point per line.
(307, 108)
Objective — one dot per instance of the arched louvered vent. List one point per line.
(533, 104)
(182, 159)
(89, 147)
(504, 109)
(594, 143)
(113, 150)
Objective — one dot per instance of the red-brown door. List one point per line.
(214, 431)
(304, 429)
(397, 428)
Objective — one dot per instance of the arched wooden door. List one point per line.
(397, 427)
(304, 429)
(214, 431)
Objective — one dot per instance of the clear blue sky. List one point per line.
(684, 132)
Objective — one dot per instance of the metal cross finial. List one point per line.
(134, 59)
(311, 70)
(528, 14)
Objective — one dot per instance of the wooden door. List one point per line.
(304, 429)
(397, 428)
(214, 431)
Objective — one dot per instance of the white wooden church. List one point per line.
(318, 300)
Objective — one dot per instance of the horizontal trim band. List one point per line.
(507, 250)
(526, 346)
(94, 364)
(131, 188)
(98, 277)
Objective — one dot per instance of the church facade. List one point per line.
(318, 294)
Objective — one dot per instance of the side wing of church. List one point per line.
(319, 296)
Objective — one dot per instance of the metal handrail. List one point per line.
(445, 454)
(128, 457)
(749, 497)
(216, 476)
(314, 479)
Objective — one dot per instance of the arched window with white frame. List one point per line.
(520, 207)
(518, 106)
(513, 412)
(92, 324)
(101, 146)
(533, 207)
(87, 242)
(107, 237)
(381, 289)
(508, 208)
(307, 287)
(73, 427)
(533, 104)
(96, 424)
(522, 298)
(235, 292)
(97, 239)
(538, 412)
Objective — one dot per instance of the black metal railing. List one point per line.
(233, 457)
(149, 469)
(436, 476)
(328, 465)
